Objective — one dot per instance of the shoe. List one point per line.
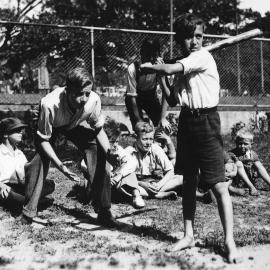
(105, 218)
(24, 220)
(138, 202)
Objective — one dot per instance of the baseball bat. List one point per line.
(227, 42)
(234, 40)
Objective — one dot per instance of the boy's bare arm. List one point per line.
(262, 171)
(131, 100)
(48, 150)
(168, 92)
(163, 69)
(163, 121)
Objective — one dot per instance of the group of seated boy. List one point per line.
(143, 170)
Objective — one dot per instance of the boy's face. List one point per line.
(193, 42)
(145, 141)
(16, 136)
(243, 145)
(77, 99)
(147, 56)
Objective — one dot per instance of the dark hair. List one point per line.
(150, 47)
(77, 79)
(143, 127)
(185, 25)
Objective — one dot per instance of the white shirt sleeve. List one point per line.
(162, 158)
(195, 62)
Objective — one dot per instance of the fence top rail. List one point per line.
(92, 28)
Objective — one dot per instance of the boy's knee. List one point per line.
(220, 189)
(239, 164)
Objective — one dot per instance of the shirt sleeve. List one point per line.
(131, 81)
(195, 62)
(162, 159)
(96, 119)
(128, 163)
(45, 122)
(255, 156)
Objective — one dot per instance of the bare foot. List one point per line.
(232, 253)
(184, 243)
(254, 192)
(171, 195)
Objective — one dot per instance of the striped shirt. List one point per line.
(55, 112)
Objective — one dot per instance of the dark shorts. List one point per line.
(200, 147)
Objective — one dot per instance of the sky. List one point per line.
(257, 5)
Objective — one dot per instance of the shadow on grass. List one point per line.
(145, 231)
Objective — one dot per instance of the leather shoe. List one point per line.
(105, 218)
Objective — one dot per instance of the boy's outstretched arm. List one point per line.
(163, 69)
(50, 153)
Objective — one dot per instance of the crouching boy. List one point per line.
(75, 111)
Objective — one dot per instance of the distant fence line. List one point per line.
(37, 57)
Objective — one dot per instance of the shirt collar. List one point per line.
(136, 149)
(5, 151)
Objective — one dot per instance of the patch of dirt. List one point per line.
(75, 241)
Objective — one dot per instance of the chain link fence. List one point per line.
(35, 58)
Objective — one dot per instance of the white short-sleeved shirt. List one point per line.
(145, 83)
(12, 165)
(55, 112)
(145, 164)
(199, 86)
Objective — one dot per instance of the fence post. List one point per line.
(262, 70)
(92, 54)
(238, 69)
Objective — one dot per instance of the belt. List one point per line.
(197, 112)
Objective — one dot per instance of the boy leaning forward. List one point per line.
(196, 87)
(75, 111)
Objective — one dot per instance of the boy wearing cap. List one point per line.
(75, 111)
(142, 89)
(12, 163)
(249, 166)
(196, 87)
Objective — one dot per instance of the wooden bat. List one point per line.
(226, 42)
(234, 40)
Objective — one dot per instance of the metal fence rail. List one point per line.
(36, 57)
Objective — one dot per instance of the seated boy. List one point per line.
(12, 163)
(249, 167)
(153, 169)
(123, 177)
(230, 173)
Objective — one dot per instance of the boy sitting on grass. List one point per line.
(12, 163)
(249, 167)
(153, 168)
(123, 178)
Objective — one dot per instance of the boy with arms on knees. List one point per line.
(196, 87)
(142, 89)
(153, 169)
(75, 111)
(12, 163)
(249, 167)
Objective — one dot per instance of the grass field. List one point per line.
(145, 238)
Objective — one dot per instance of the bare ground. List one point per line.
(74, 241)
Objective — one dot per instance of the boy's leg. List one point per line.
(152, 107)
(226, 215)
(189, 208)
(35, 173)
(242, 173)
(173, 183)
(99, 172)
